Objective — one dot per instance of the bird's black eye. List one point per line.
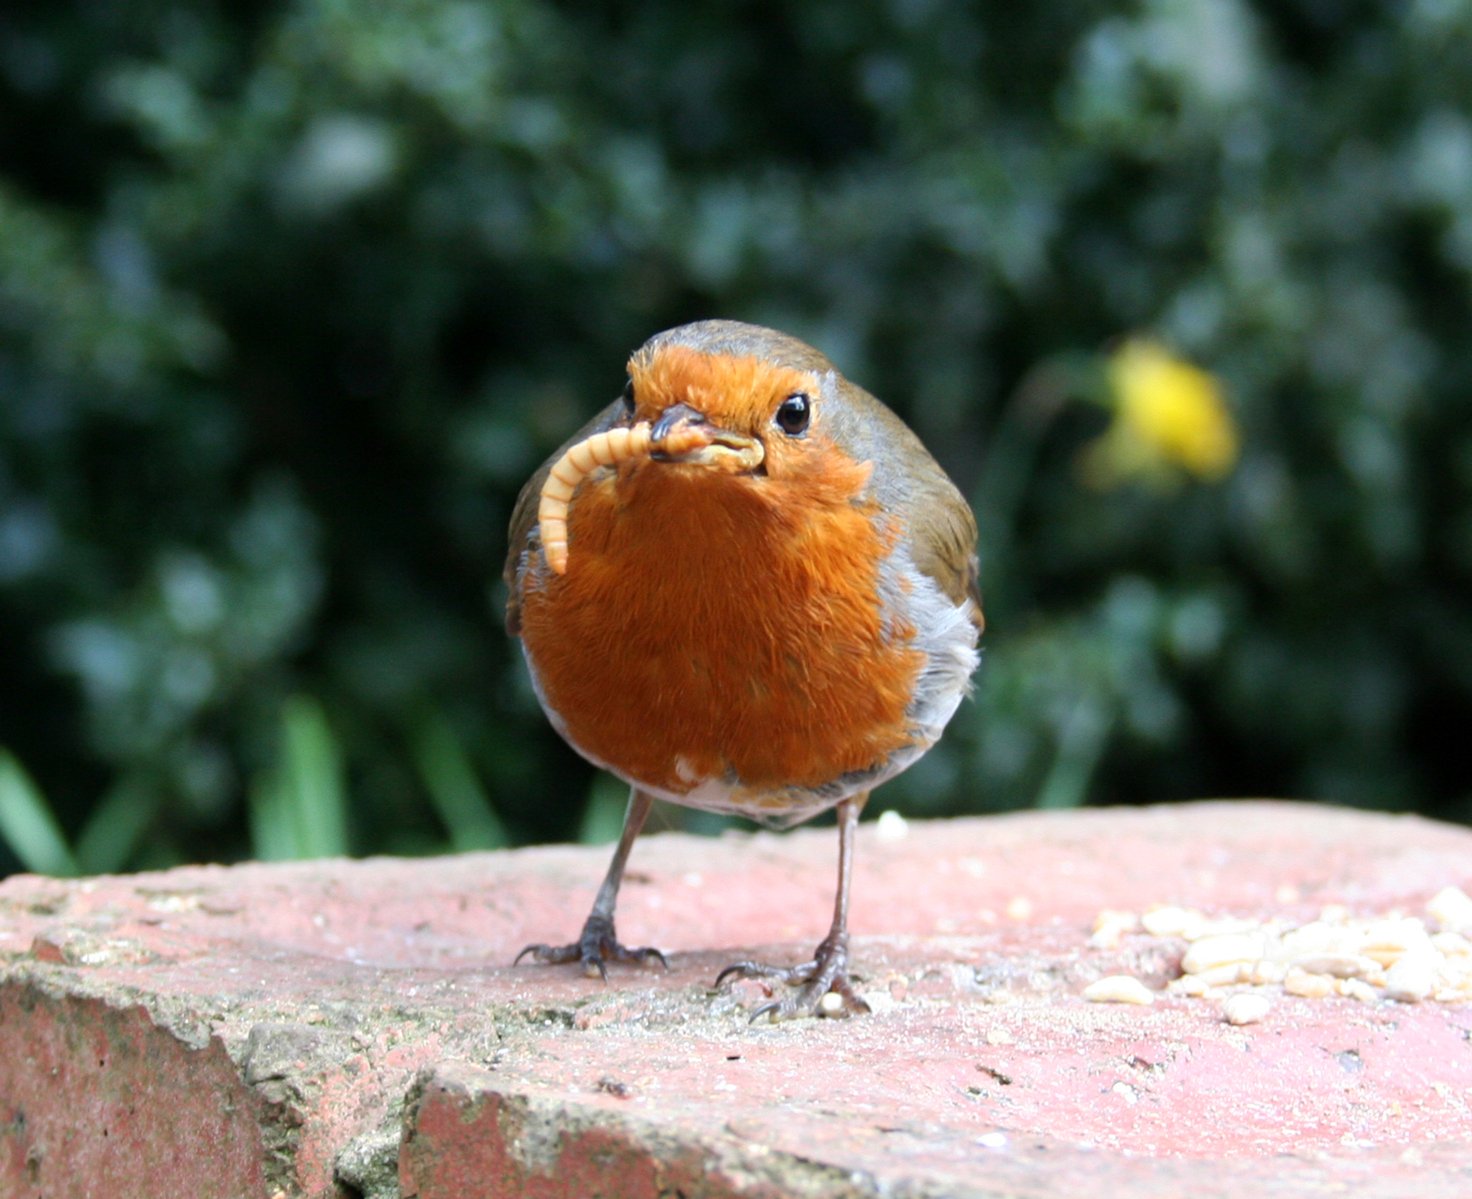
(628, 396)
(793, 413)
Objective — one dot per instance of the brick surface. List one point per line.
(338, 1029)
(85, 1106)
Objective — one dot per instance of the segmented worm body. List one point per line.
(601, 449)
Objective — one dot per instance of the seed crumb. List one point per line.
(1019, 908)
(1246, 1007)
(1119, 988)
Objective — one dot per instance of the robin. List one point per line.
(769, 613)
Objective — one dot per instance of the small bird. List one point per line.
(746, 587)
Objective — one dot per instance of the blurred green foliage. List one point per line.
(293, 297)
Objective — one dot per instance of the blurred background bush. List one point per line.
(294, 296)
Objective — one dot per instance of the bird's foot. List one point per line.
(597, 945)
(826, 974)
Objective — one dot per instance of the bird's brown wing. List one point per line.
(943, 540)
(523, 535)
(913, 486)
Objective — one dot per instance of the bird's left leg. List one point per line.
(598, 943)
(828, 970)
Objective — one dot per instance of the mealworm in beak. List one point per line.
(601, 449)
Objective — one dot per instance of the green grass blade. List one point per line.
(450, 779)
(1080, 746)
(312, 773)
(27, 825)
(112, 833)
(273, 829)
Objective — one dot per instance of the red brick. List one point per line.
(84, 1107)
(308, 1029)
(465, 1136)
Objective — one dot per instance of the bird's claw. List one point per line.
(595, 947)
(826, 974)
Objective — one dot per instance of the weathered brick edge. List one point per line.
(100, 1100)
(140, 1100)
(106, 1101)
(464, 1136)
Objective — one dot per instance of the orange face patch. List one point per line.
(733, 392)
(738, 393)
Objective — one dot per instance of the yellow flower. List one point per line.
(1167, 414)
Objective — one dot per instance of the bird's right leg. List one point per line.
(828, 971)
(598, 943)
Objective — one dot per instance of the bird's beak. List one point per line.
(722, 448)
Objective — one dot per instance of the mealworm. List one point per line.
(608, 448)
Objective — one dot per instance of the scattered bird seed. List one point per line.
(1394, 955)
(1411, 979)
(1226, 974)
(1019, 908)
(1246, 1007)
(1340, 965)
(1173, 922)
(1110, 928)
(1119, 988)
(1309, 986)
(1126, 1092)
(1224, 950)
(891, 827)
(1451, 907)
(1453, 945)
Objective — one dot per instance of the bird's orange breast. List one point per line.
(715, 627)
